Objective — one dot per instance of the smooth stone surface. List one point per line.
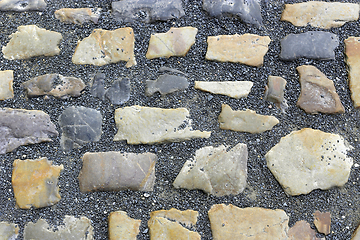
(166, 84)
(318, 93)
(248, 49)
(322, 221)
(22, 127)
(74, 229)
(97, 87)
(310, 159)
(119, 92)
(302, 230)
(115, 171)
(229, 222)
(22, 5)
(175, 42)
(274, 92)
(234, 89)
(219, 171)
(121, 226)
(6, 84)
(146, 125)
(352, 51)
(312, 44)
(187, 217)
(8, 231)
(79, 125)
(320, 14)
(104, 46)
(78, 15)
(245, 121)
(32, 41)
(35, 183)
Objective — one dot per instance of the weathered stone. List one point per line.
(322, 222)
(73, 229)
(245, 121)
(274, 92)
(22, 5)
(312, 44)
(187, 217)
(352, 51)
(79, 126)
(22, 127)
(165, 84)
(104, 46)
(175, 42)
(302, 230)
(35, 183)
(8, 231)
(320, 14)
(234, 89)
(97, 88)
(32, 41)
(78, 15)
(218, 171)
(248, 49)
(318, 93)
(147, 10)
(55, 85)
(6, 84)
(249, 11)
(115, 171)
(119, 92)
(229, 222)
(121, 226)
(310, 159)
(146, 125)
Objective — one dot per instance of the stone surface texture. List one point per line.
(6, 84)
(166, 84)
(274, 92)
(8, 231)
(302, 230)
(187, 217)
(356, 234)
(322, 221)
(310, 159)
(123, 227)
(352, 51)
(78, 15)
(22, 5)
(234, 89)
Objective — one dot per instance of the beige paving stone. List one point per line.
(187, 217)
(322, 221)
(121, 226)
(6, 84)
(352, 51)
(302, 230)
(78, 15)
(234, 89)
(8, 231)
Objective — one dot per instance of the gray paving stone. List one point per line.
(22, 5)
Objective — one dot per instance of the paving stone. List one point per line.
(73, 229)
(175, 42)
(234, 89)
(6, 84)
(115, 171)
(146, 125)
(318, 93)
(219, 171)
(104, 47)
(22, 5)
(78, 15)
(302, 230)
(245, 121)
(248, 49)
(166, 84)
(147, 11)
(352, 51)
(35, 183)
(119, 92)
(310, 159)
(8, 231)
(121, 226)
(312, 44)
(187, 217)
(22, 127)
(97, 87)
(229, 222)
(274, 92)
(322, 222)
(79, 126)
(32, 41)
(320, 14)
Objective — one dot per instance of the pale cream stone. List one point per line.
(187, 217)
(78, 15)
(234, 89)
(352, 51)
(6, 84)
(8, 231)
(123, 227)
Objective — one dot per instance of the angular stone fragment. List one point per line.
(312, 44)
(147, 10)
(302, 230)
(32, 41)
(22, 127)
(352, 51)
(234, 89)
(322, 222)
(73, 229)
(175, 42)
(35, 183)
(104, 46)
(229, 222)
(274, 92)
(78, 15)
(146, 125)
(121, 226)
(22, 5)
(310, 159)
(165, 84)
(119, 92)
(187, 217)
(115, 171)
(79, 126)
(8, 231)
(248, 49)
(6, 84)
(97, 88)
(245, 121)
(320, 14)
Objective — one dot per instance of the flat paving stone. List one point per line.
(8, 231)
(165, 84)
(6, 84)
(22, 5)
(119, 91)
(352, 51)
(234, 89)
(302, 230)
(322, 222)
(78, 15)
(274, 92)
(121, 226)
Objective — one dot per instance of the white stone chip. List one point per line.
(234, 89)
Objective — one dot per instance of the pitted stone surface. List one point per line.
(302, 230)
(8, 231)
(6, 84)
(352, 51)
(165, 84)
(234, 89)
(322, 221)
(274, 92)
(78, 15)
(121, 226)
(22, 5)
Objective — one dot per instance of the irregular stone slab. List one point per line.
(8, 231)
(229, 222)
(187, 217)
(218, 171)
(78, 15)
(248, 49)
(121, 226)
(175, 42)
(320, 14)
(274, 92)
(352, 51)
(115, 171)
(22, 127)
(35, 183)
(22, 5)
(79, 126)
(32, 41)
(103, 47)
(6, 84)
(147, 11)
(312, 44)
(234, 89)
(248, 11)
(146, 125)
(119, 92)
(245, 121)
(74, 229)
(318, 93)
(322, 222)
(310, 159)
(166, 84)
(302, 230)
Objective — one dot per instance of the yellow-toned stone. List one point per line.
(121, 226)
(6, 84)
(352, 51)
(77, 15)
(187, 217)
(234, 89)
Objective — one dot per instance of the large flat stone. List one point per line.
(6, 84)
(8, 231)
(310, 159)
(302, 230)
(22, 5)
(234, 89)
(274, 92)
(121, 226)
(166, 84)
(78, 15)
(352, 51)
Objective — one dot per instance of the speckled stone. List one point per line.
(121, 226)
(6, 84)
(322, 222)
(302, 230)
(352, 51)
(78, 15)
(234, 89)
(8, 231)
(22, 5)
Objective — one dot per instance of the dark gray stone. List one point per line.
(119, 92)
(166, 84)
(22, 5)
(97, 88)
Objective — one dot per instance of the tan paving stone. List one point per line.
(234, 89)
(352, 51)
(122, 227)
(78, 15)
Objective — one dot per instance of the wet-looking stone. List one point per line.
(274, 92)
(234, 89)
(165, 84)
(22, 5)
(6, 84)
(121, 226)
(352, 51)
(8, 231)
(78, 15)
